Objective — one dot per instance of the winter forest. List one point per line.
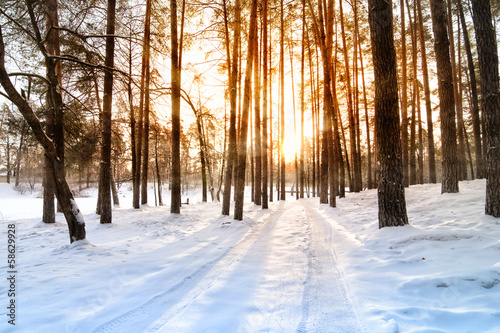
(239, 166)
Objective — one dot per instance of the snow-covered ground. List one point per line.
(296, 267)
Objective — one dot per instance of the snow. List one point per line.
(297, 267)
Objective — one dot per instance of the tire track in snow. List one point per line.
(159, 310)
(327, 303)
(277, 300)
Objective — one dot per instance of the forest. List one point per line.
(286, 99)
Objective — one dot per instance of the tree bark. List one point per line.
(302, 101)
(404, 99)
(476, 121)
(264, 152)
(107, 103)
(427, 92)
(242, 149)
(413, 128)
(54, 117)
(391, 193)
(367, 121)
(282, 104)
(462, 168)
(175, 203)
(490, 94)
(233, 86)
(258, 142)
(145, 131)
(356, 184)
(446, 98)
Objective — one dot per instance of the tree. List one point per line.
(391, 194)
(475, 104)
(147, 102)
(462, 167)
(427, 92)
(242, 145)
(282, 102)
(446, 98)
(356, 184)
(265, 199)
(233, 91)
(140, 130)
(302, 100)
(329, 114)
(258, 141)
(175, 202)
(54, 116)
(107, 104)
(76, 223)
(490, 94)
(404, 98)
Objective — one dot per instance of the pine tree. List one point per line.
(391, 194)
(490, 93)
(105, 165)
(446, 98)
(175, 199)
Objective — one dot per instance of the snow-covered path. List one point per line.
(275, 279)
(297, 267)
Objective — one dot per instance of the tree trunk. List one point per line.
(391, 193)
(490, 90)
(404, 99)
(427, 92)
(356, 184)
(54, 118)
(462, 168)
(264, 151)
(333, 176)
(296, 162)
(145, 132)
(76, 223)
(107, 103)
(114, 190)
(282, 104)
(242, 149)
(476, 121)
(233, 86)
(271, 150)
(367, 120)
(144, 164)
(175, 203)
(359, 173)
(19, 155)
(413, 128)
(133, 130)
(202, 159)
(158, 173)
(258, 141)
(420, 141)
(447, 102)
(302, 101)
